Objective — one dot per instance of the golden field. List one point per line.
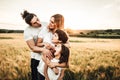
(90, 58)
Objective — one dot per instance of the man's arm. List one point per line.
(37, 49)
(40, 42)
(32, 46)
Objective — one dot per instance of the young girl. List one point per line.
(61, 55)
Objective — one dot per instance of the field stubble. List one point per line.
(89, 57)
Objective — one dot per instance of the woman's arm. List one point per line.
(53, 64)
(56, 64)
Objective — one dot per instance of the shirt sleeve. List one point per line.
(27, 35)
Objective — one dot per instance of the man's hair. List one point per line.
(59, 20)
(62, 36)
(27, 16)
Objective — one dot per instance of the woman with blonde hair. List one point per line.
(45, 39)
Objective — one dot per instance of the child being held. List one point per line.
(61, 55)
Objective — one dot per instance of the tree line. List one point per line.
(11, 31)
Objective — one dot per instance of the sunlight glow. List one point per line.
(78, 14)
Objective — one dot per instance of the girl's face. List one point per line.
(55, 38)
(58, 49)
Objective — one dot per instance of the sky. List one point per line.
(78, 14)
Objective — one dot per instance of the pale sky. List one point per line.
(79, 14)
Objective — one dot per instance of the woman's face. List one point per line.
(52, 24)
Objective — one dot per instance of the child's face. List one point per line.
(55, 38)
(58, 49)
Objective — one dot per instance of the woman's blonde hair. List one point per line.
(59, 20)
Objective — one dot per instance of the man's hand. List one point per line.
(47, 53)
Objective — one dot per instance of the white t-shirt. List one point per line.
(51, 74)
(46, 35)
(32, 33)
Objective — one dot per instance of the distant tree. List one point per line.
(88, 33)
(118, 33)
(91, 32)
(81, 33)
(10, 31)
(69, 31)
(109, 30)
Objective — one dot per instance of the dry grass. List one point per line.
(88, 56)
(15, 58)
(96, 51)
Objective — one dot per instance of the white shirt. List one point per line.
(51, 74)
(32, 33)
(46, 35)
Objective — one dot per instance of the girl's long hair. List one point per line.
(64, 54)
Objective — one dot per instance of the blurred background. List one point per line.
(79, 14)
(93, 27)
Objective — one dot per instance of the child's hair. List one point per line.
(64, 54)
(62, 35)
(27, 16)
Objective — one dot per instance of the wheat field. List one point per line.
(90, 58)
